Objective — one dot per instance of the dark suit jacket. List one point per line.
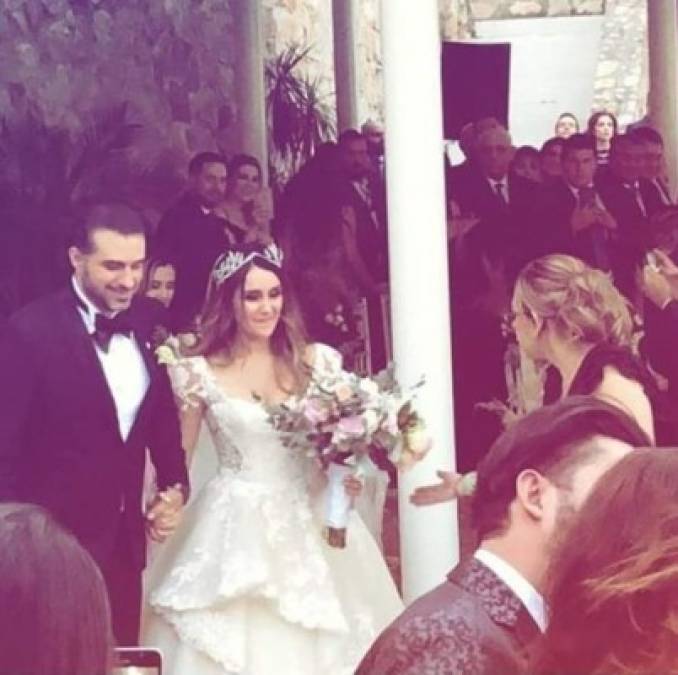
(60, 444)
(472, 624)
(192, 240)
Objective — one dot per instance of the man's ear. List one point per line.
(530, 488)
(75, 256)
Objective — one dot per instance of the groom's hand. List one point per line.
(165, 514)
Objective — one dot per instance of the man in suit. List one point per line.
(192, 237)
(570, 216)
(484, 618)
(653, 164)
(87, 399)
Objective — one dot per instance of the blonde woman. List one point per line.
(571, 316)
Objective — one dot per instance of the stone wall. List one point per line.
(171, 60)
(521, 9)
(622, 74)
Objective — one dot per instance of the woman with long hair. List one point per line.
(248, 584)
(612, 593)
(160, 280)
(602, 126)
(247, 207)
(570, 317)
(55, 612)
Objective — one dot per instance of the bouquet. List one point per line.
(350, 424)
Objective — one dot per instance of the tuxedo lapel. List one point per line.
(81, 347)
(497, 599)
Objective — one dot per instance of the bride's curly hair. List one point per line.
(217, 330)
(582, 302)
(613, 593)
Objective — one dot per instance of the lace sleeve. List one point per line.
(187, 382)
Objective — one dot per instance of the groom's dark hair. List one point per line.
(552, 440)
(117, 217)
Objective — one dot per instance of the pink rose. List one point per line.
(315, 412)
(351, 426)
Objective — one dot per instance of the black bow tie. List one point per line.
(106, 327)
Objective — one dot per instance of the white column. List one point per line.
(419, 278)
(345, 80)
(249, 80)
(662, 27)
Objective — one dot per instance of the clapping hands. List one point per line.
(659, 283)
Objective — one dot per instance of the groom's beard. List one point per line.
(99, 297)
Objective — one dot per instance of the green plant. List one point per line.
(299, 115)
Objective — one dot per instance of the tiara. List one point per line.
(230, 262)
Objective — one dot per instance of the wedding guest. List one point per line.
(612, 593)
(659, 284)
(55, 613)
(160, 281)
(566, 125)
(247, 206)
(526, 162)
(550, 160)
(485, 618)
(571, 316)
(88, 398)
(653, 164)
(602, 126)
(191, 235)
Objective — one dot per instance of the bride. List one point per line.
(248, 584)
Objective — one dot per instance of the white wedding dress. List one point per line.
(247, 584)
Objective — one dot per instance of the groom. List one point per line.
(83, 399)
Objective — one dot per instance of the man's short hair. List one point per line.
(551, 143)
(646, 135)
(578, 142)
(119, 218)
(550, 440)
(196, 165)
(620, 140)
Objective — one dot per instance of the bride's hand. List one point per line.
(165, 514)
(353, 486)
(444, 491)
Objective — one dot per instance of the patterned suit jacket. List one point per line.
(472, 624)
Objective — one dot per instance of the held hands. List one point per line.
(165, 514)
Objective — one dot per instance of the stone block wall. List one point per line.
(521, 9)
(172, 60)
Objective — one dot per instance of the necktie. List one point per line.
(500, 189)
(106, 327)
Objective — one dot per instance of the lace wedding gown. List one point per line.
(247, 584)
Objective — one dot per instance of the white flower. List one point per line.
(418, 442)
(371, 420)
(165, 355)
(369, 386)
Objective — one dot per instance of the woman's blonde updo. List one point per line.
(581, 302)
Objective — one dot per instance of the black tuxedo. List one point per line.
(472, 624)
(60, 443)
(192, 240)
(502, 232)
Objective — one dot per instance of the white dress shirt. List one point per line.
(494, 183)
(123, 366)
(523, 589)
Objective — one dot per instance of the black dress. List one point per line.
(590, 375)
